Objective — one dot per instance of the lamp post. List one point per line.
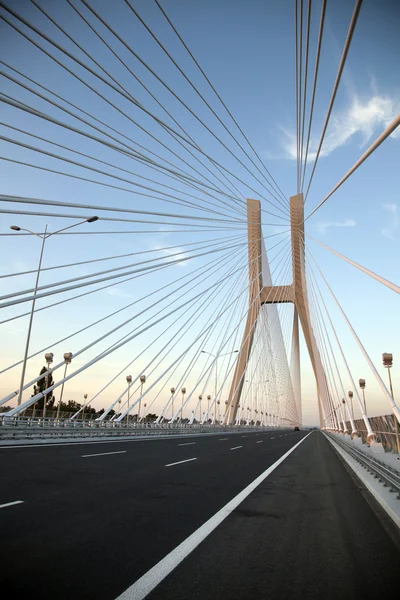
(43, 237)
(142, 382)
(208, 404)
(85, 396)
(172, 398)
(183, 390)
(67, 359)
(200, 399)
(344, 416)
(387, 363)
(362, 386)
(49, 359)
(129, 382)
(350, 393)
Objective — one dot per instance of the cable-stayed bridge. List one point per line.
(172, 326)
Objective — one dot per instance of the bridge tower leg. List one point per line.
(255, 286)
(301, 296)
(295, 293)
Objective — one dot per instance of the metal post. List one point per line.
(28, 337)
(43, 238)
(183, 396)
(129, 381)
(140, 403)
(208, 406)
(172, 401)
(142, 382)
(84, 406)
(351, 404)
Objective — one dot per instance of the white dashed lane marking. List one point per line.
(180, 462)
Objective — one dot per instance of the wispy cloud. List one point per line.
(117, 293)
(176, 253)
(321, 227)
(391, 229)
(360, 118)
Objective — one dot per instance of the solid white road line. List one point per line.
(272, 438)
(146, 584)
(223, 439)
(11, 503)
(103, 454)
(236, 447)
(243, 436)
(187, 444)
(180, 462)
(259, 442)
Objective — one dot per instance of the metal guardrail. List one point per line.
(385, 428)
(386, 474)
(13, 429)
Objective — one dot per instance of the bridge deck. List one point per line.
(90, 526)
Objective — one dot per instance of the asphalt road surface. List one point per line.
(94, 518)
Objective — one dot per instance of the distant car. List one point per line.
(297, 429)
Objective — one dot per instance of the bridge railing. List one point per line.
(384, 472)
(48, 427)
(385, 429)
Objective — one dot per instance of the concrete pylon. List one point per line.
(255, 287)
(295, 293)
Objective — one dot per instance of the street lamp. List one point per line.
(387, 363)
(344, 416)
(208, 403)
(183, 390)
(142, 382)
(350, 393)
(129, 382)
(85, 397)
(362, 386)
(172, 397)
(28, 337)
(49, 359)
(200, 399)
(67, 359)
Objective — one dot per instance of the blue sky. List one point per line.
(247, 51)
